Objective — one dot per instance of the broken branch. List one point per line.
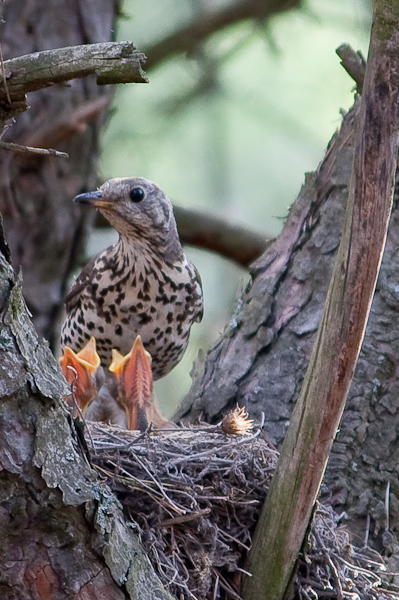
(111, 62)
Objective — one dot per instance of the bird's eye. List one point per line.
(137, 194)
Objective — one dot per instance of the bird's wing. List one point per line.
(197, 279)
(82, 282)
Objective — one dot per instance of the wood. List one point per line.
(63, 531)
(353, 63)
(316, 417)
(111, 62)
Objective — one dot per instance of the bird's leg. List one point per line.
(135, 392)
(80, 370)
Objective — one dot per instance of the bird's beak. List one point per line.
(93, 199)
(80, 370)
(134, 376)
(89, 198)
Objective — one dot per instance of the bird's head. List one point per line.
(139, 210)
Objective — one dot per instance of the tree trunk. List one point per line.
(63, 532)
(44, 229)
(261, 359)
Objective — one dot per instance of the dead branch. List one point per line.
(111, 62)
(68, 124)
(10, 146)
(353, 63)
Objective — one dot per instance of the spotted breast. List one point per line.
(144, 284)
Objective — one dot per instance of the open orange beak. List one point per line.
(80, 371)
(134, 377)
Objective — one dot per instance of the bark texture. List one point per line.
(63, 532)
(291, 498)
(261, 359)
(43, 227)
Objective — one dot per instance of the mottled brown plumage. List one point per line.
(142, 285)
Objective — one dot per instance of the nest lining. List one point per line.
(195, 495)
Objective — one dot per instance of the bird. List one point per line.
(142, 285)
(82, 370)
(122, 395)
(134, 388)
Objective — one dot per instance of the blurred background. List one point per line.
(230, 129)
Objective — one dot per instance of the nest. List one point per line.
(195, 496)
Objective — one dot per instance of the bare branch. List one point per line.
(112, 62)
(207, 231)
(353, 63)
(68, 123)
(29, 150)
(187, 38)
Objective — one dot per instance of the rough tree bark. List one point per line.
(63, 532)
(262, 356)
(285, 516)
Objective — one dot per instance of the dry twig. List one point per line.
(219, 482)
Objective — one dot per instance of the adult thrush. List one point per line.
(142, 285)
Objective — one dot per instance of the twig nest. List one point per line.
(237, 422)
(194, 496)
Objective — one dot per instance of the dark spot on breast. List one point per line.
(144, 318)
(120, 297)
